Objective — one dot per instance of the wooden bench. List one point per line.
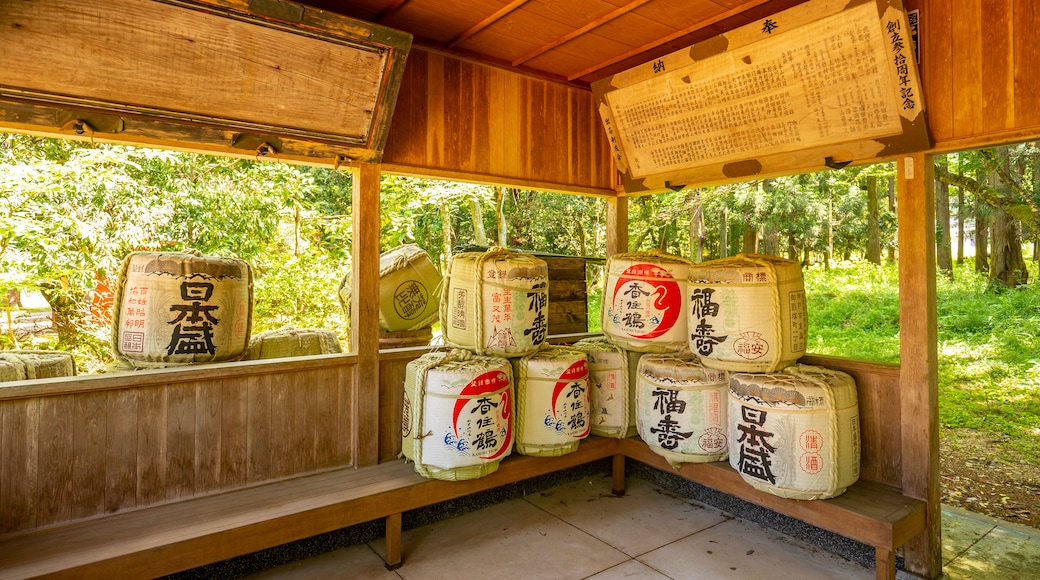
(185, 534)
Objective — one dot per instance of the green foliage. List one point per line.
(989, 342)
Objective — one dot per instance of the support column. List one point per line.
(918, 375)
(617, 225)
(364, 318)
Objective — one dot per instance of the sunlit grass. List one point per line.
(988, 343)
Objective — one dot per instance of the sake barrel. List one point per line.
(612, 378)
(552, 401)
(178, 308)
(644, 301)
(681, 408)
(747, 313)
(289, 341)
(497, 303)
(21, 365)
(457, 419)
(795, 434)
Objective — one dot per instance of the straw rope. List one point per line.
(602, 344)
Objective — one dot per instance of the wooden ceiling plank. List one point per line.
(504, 11)
(620, 11)
(666, 39)
(392, 7)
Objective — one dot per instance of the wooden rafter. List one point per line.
(504, 11)
(621, 11)
(666, 39)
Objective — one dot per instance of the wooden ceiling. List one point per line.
(577, 41)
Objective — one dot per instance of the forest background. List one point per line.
(70, 212)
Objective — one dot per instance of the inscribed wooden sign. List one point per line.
(259, 68)
(823, 84)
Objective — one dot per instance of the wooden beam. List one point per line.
(666, 39)
(364, 324)
(502, 12)
(392, 7)
(919, 405)
(621, 11)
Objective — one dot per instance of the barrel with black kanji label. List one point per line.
(457, 420)
(795, 434)
(496, 303)
(22, 365)
(179, 308)
(747, 313)
(409, 290)
(681, 408)
(644, 301)
(552, 400)
(612, 376)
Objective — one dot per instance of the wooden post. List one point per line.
(617, 225)
(364, 324)
(918, 375)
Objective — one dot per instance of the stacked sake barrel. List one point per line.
(409, 296)
(747, 313)
(681, 408)
(181, 308)
(22, 365)
(644, 301)
(795, 433)
(289, 342)
(613, 376)
(457, 420)
(552, 400)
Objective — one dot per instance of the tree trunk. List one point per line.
(1008, 265)
(943, 251)
(873, 222)
(66, 314)
(500, 215)
(960, 225)
(477, 214)
(696, 225)
(750, 243)
(981, 239)
(792, 247)
(892, 208)
(770, 241)
(724, 233)
(446, 231)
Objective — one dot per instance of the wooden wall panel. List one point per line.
(87, 446)
(978, 65)
(463, 120)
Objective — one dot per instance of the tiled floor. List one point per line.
(578, 530)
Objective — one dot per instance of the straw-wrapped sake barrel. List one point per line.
(21, 365)
(552, 401)
(288, 341)
(496, 303)
(644, 301)
(457, 420)
(795, 434)
(409, 290)
(747, 313)
(179, 308)
(612, 378)
(681, 408)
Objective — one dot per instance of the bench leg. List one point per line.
(885, 562)
(619, 475)
(393, 542)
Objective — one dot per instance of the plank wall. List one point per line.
(459, 119)
(979, 68)
(82, 447)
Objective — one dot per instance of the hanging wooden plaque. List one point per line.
(823, 84)
(263, 70)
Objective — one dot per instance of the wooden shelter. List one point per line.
(163, 468)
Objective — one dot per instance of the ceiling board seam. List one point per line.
(666, 39)
(621, 11)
